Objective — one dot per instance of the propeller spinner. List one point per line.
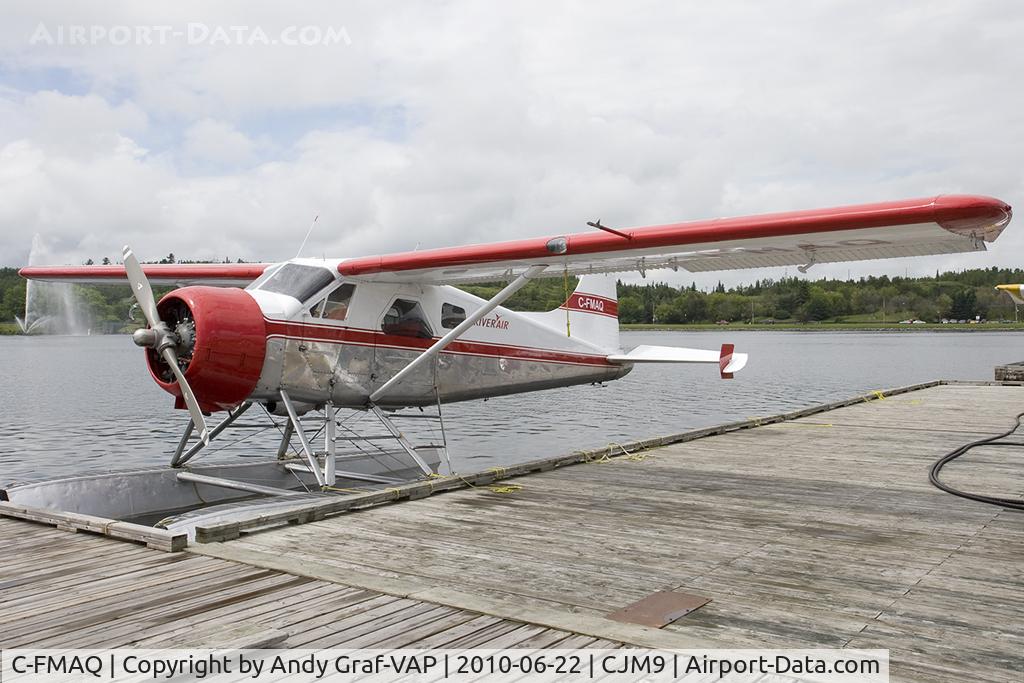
(161, 338)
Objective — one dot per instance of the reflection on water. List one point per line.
(87, 404)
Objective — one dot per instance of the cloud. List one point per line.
(453, 123)
(217, 142)
(69, 125)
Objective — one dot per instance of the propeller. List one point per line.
(159, 338)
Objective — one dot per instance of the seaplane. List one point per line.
(306, 338)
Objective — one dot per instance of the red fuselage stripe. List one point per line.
(358, 337)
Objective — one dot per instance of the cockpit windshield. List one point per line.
(298, 281)
(267, 274)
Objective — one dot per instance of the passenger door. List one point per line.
(404, 333)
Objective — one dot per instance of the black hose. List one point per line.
(933, 475)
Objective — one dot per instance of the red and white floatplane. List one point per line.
(307, 338)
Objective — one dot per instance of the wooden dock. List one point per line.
(64, 590)
(813, 531)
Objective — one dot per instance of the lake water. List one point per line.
(87, 404)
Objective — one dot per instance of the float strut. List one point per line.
(179, 460)
(301, 433)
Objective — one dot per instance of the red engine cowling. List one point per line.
(223, 345)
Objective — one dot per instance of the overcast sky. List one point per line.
(182, 127)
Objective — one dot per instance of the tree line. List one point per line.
(961, 295)
(956, 295)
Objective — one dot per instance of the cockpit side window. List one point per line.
(298, 281)
(452, 315)
(405, 318)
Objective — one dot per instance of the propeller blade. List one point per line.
(140, 287)
(190, 399)
(144, 295)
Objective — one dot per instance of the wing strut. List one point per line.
(425, 357)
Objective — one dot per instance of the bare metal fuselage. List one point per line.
(317, 360)
(315, 371)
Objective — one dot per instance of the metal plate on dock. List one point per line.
(659, 609)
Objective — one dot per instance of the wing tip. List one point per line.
(976, 216)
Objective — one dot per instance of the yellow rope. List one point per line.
(494, 488)
(606, 456)
(334, 488)
(629, 455)
(638, 457)
(565, 282)
(505, 488)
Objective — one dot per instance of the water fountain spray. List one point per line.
(50, 306)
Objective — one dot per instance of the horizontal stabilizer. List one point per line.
(728, 362)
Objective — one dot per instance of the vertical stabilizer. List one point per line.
(590, 314)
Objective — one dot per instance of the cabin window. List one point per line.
(452, 315)
(298, 281)
(336, 307)
(405, 318)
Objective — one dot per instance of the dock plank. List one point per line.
(63, 590)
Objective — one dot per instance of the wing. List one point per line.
(917, 227)
(223, 274)
(1014, 291)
